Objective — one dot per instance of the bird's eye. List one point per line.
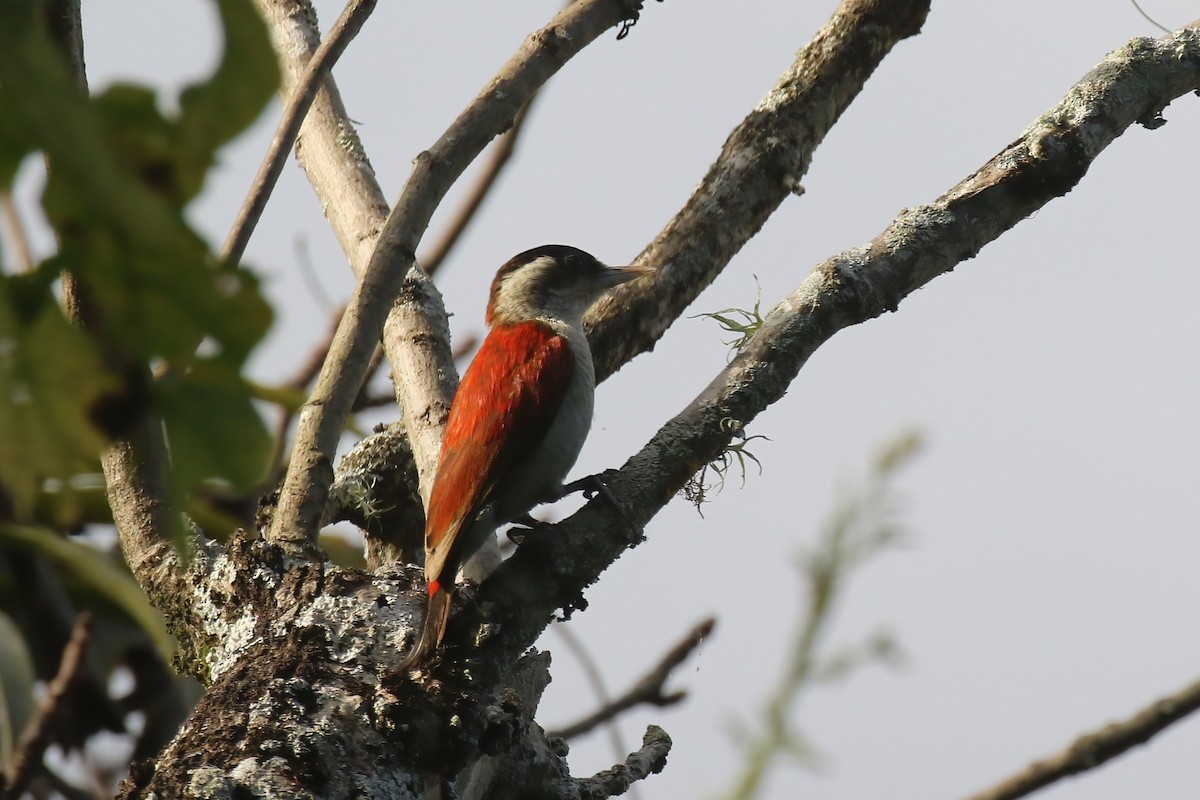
(574, 261)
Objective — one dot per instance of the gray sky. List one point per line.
(1048, 584)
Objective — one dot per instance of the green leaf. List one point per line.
(17, 680)
(52, 381)
(92, 568)
(121, 173)
(15, 143)
(214, 112)
(213, 428)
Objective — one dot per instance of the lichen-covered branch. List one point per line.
(1133, 84)
(331, 153)
(304, 702)
(651, 758)
(762, 162)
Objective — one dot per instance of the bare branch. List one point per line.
(617, 780)
(650, 689)
(368, 400)
(1094, 749)
(1149, 18)
(1132, 84)
(501, 153)
(139, 495)
(28, 756)
(392, 265)
(761, 164)
(328, 146)
(299, 381)
(303, 93)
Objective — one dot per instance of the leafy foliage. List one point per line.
(151, 293)
(132, 320)
(742, 323)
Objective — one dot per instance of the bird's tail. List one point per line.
(437, 614)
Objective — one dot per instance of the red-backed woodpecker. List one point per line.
(520, 416)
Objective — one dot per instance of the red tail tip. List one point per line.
(434, 587)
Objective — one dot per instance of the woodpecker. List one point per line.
(520, 416)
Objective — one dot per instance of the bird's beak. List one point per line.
(615, 276)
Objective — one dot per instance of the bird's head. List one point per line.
(553, 281)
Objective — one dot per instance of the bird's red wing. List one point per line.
(505, 404)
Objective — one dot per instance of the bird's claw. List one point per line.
(593, 485)
(597, 485)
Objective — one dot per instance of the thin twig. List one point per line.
(299, 381)
(649, 690)
(312, 281)
(36, 737)
(859, 526)
(312, 365)
(343, 31)
(1094, 749)
(1149, 18)
(501, 154)
(367, 401)
(592, 673)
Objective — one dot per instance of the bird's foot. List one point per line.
(525, 527)
(594, 485)
(591, 486)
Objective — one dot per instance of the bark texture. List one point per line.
(304, 700)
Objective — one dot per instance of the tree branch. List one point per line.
(501, 154)
(135, 475)
(762, 163)
(302, 95)
(1132, 84)
(617, 780)
(392, 265)
(650, 689)
(36, 737)
(134, 466)
(1091, 750)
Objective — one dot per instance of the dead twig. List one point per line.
(345, 29)
(650, 689)
(27, 758)
(501, 154)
